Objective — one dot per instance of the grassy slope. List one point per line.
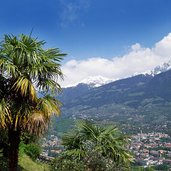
(27, 164)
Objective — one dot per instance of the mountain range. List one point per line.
(138, 102)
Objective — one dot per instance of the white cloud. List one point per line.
(163, 47)
(136, 47)
(138, 60)
(71, 11)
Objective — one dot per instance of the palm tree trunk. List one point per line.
(14, 141)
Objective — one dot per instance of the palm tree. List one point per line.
(100, 147)
(25, 68)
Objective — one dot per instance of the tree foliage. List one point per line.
(99, 148)
(25, 68)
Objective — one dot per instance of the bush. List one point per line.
(32, 150)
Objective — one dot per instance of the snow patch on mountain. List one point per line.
(157, 70)
(94, 81)
(97, 81)
(161, 68)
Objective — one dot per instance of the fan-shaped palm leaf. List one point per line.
(24, 86)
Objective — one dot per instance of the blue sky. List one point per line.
(88, 29)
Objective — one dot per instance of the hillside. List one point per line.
(142, 101)
(26, 164)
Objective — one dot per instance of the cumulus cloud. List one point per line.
(163, 47)
(138, 60)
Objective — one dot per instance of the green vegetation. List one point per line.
(162, 167)
(141, 102)
(59, 126)
(33, 150)
(142, 169)
(27, 164)
(25, 67)
(93, 147)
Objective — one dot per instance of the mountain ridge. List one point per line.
(97, 81)
(129, 101)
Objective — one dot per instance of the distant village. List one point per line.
(149, 149)
(51, 146)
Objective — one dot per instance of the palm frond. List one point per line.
(5, 114)
(25, 87)
(37, 123)
(76, 153)
(49, 105)
(8, 68)
(88, 129)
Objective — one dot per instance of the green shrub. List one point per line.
(33, 150)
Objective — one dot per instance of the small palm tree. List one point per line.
(25, 68)
(101, 148)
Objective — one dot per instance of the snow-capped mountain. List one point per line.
(140, 98)
(93, 81)
(96, 81)
(161, 68)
